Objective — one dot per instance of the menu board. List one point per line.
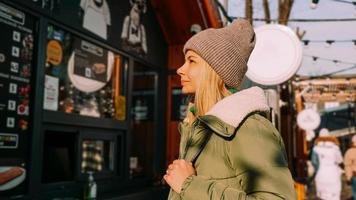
(16, 55)
(90, 61)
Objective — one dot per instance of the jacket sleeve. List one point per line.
(258, 150)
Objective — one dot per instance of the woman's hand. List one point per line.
(177, 172)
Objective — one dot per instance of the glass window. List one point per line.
(83, 78)
(143, 121)
(59, 156)
(179, 105)
(97, 156)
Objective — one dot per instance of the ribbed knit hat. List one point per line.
(226, 50)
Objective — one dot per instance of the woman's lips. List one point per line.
(183, 82)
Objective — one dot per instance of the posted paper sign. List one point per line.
(51, 93)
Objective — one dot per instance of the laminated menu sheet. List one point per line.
(16, 64)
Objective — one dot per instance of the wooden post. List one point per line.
(301, 143)
(285, 6)
(249, 11)
(267, 11)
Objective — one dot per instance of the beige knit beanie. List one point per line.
(226, 50)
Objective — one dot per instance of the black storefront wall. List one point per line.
(128, 25)
(80, 128)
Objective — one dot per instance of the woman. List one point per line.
(326, 157)
(235, 152)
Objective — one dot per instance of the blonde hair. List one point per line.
(209, 91)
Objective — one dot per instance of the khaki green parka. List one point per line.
(244, 159)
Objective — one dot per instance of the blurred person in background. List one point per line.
(326, 158)
(350, 165)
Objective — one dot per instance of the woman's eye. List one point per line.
(191, 61)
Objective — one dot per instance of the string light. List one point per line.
(332, 41)
(329, 43)
(231, 18)
(295, 20)
(306, 42)
(337, 62)
(327, 75)
(343, 1)
(314, 4)
(314, 60)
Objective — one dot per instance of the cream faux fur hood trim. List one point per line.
(234, 108)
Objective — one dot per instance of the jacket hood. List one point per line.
(228, 114)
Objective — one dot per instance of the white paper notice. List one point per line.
(51, 93)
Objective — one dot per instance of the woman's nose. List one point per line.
(180, 70)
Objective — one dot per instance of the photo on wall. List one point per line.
(133, 33)
(90, 61)
(11, 176)
(96, 16)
